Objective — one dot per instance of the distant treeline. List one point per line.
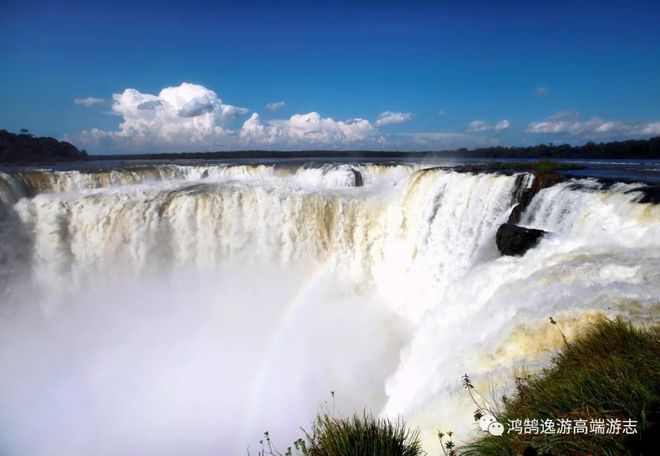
(24, 148)
(634, 148)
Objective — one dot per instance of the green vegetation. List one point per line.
(355, 436)
(612, 372)
(632, 148)
(26, 148)
(541, 166)
(362, 436)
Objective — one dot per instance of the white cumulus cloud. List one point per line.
(188, 114)
(389, 118)
(275, 105)
(89, 101)
(541, 91)
(306, 129)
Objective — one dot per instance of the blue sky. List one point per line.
(152, 76)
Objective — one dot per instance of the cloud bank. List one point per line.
(191, 117)
(569, 124)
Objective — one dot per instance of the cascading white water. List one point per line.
(602, 257)
(400, 270)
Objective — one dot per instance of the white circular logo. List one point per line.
(486, 421)
(496, 428)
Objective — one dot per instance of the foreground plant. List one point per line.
(358, 435)
(362, 436)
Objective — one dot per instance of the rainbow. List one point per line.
(292, 309)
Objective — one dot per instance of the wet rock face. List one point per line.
(541, 181)
(516, 240)
(357, 175)
(651, 194)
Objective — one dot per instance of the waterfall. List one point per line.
(413, 246)
(602, 257)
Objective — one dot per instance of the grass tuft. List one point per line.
(353, 436)
(362, 436)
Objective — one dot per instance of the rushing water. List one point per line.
(170, 309)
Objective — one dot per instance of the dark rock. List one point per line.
(516, 240)
(541, 181)
(359, 182)
(650, 194)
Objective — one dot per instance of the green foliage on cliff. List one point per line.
(611, 372)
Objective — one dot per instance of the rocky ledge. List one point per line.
(541, 181)
(516, 240)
